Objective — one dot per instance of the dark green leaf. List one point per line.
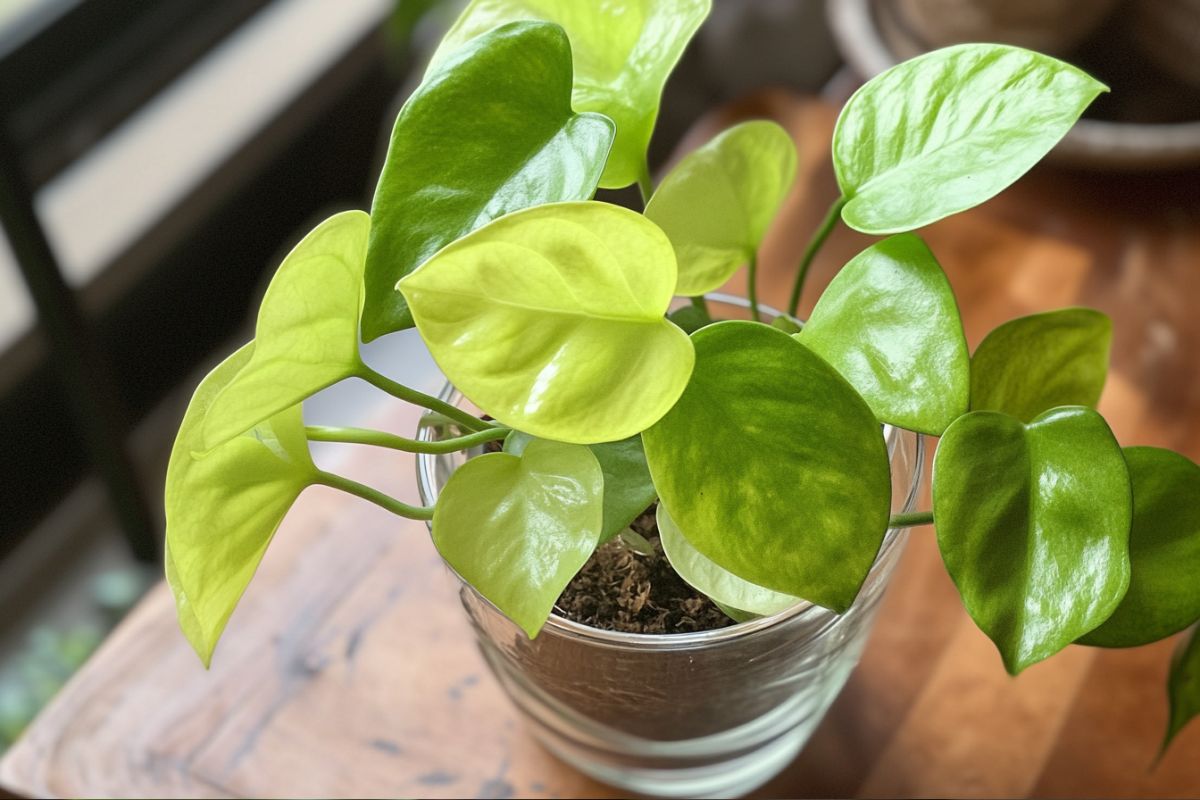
(773, 465)
(1033, 524)
(1183, 686)
(490, 131)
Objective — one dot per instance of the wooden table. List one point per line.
(349, 670)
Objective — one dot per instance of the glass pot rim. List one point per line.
(427, 485)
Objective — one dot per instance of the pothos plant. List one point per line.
(762, 441)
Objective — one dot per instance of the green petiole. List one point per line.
(911, 519)
(402, 392)
(321, 433)
(810, 252)
(375, 496)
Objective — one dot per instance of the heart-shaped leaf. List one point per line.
(1164, 551)
(718, 202)
(727, 590)
(1033, 524)
(773, 465)
(490, 131)
(628, 489)
(889, 323)
(947, 130)
(307, 332)
(551, 320)
(518, 528)
(223, 506)
(1035, 363)
(624, 51)
(1183, 686)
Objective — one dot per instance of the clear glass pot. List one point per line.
(709, 714)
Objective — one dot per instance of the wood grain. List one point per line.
(350, 669)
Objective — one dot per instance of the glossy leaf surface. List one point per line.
(1035, 363)
(717, 203)
(773, 465)
(628, 489)
(889, 324)
(624, 51)
(223, 507)
(1164, 550)
(1033, 524)
(490, 131)
(720, 585)
(1183, 686)
(947, 130)
(307, 332)
(518, 528)
(551, 320)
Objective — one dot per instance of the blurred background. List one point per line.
(158, 157)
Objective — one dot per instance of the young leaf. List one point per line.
(1035, 363)
(551, 321)
(774, 465)
(889, 324)
(1164, 550)
(721, 586)
(223, 507)
(1033, 524)
(950, 129)
(490, 131)
(307, 332)
(624, 51)
(518, 528)
(718, 202)
(628, 489)
(1183, 686)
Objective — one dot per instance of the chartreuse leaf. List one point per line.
(888, 322)
(1033, 524)
(518, 528)
(718, 202)
(1183, 686)
(721, 586)
(624, 51)
(551, 320)
(490, 131)
(628, 490)
(950, 129)
(307, 332)
(1164, 550)
(773, 465)
(223, 506)
(1031, 364)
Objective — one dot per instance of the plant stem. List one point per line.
(645, 183)
(911, 519)
(701, 305)
(375, 496)
(751, 286)
(321, 433)
(810, 252)
(402, 392)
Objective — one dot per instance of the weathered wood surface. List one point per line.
(350, 671)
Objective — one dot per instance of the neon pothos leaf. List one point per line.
(764, 421)
(490, 131)
(950, 129)
(307, 332)
(628, 489)
(1164, 548)
(518, 528)
(889, 324)
(223, 507)
(624, 51)
(1035, 363)
(721, 586)
(1183, 686)
(1033, 524)
(551, 320)
(718, 202)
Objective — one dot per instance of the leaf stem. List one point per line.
(810, 252)
(402, 392)
(701, 305)
(752, 287)
(321, 433)
(375, 496)
(645, 183)
(911, 519)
